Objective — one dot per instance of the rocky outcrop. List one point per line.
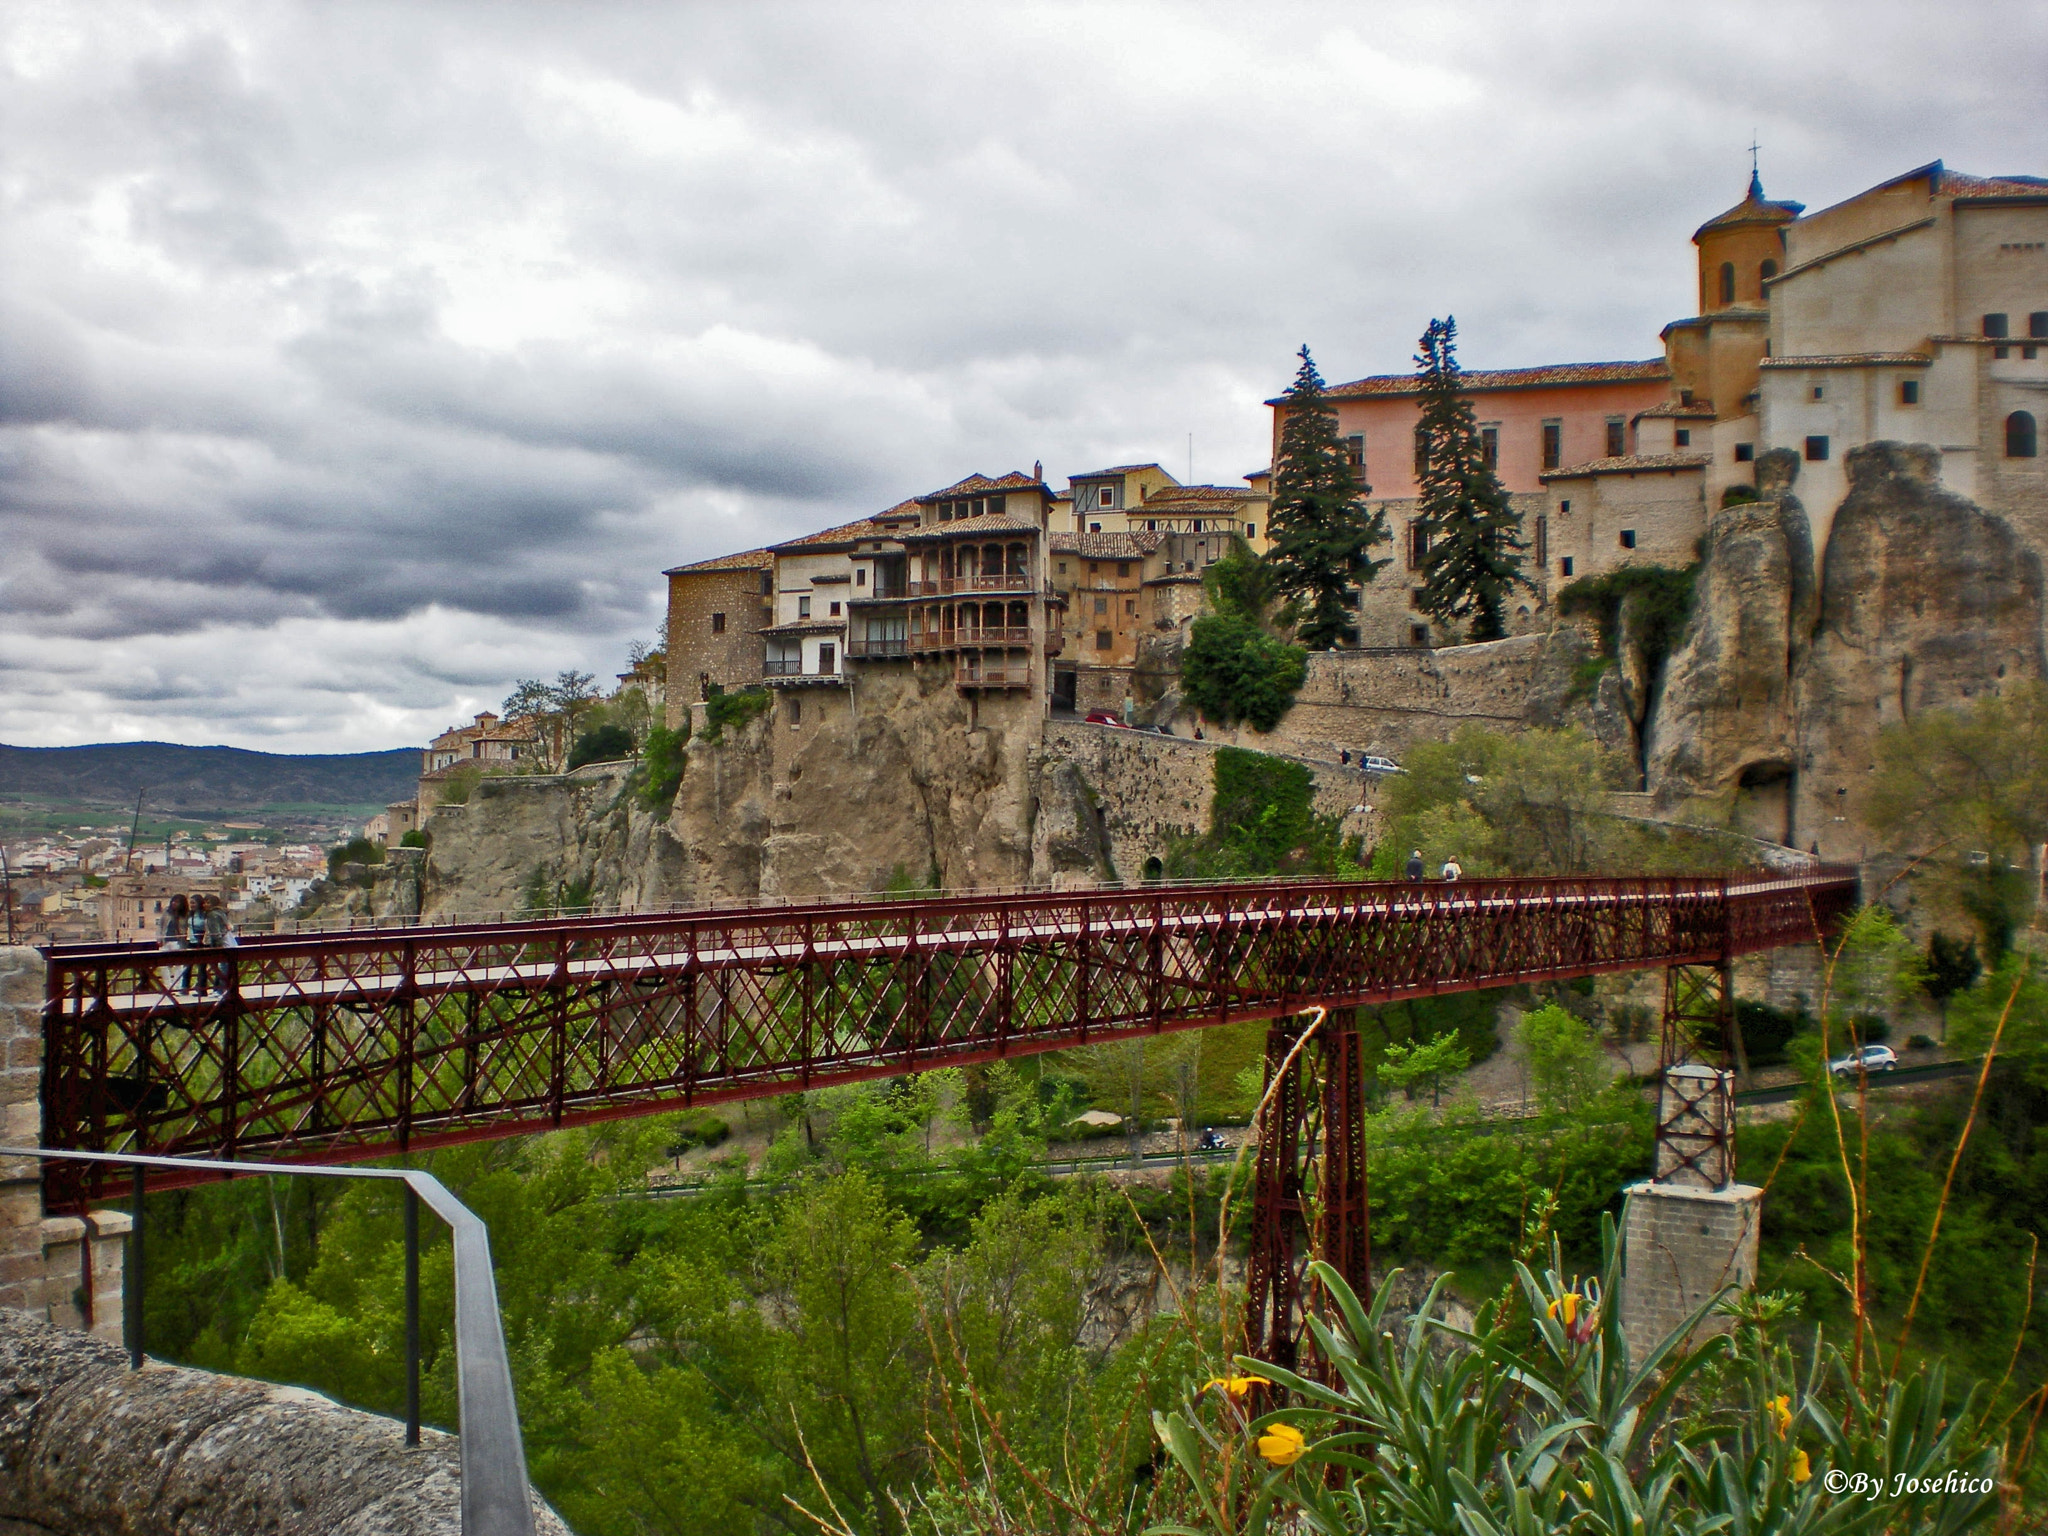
(1725, 716)
(1926, 600)
(1772, 706)
(88, 1446)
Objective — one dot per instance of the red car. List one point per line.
(1105, 717)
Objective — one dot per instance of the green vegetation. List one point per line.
(1323, 531)
(1473, 563)
(1262, 821)
(357, 850)
(1738, 495)
(604, 744)
(733, 710)
(1653, 600)
(414, 838)
(662, 761)
(1233, 670)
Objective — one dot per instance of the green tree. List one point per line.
(1241, 585)
(1323, 531)
(1474, 562)
(1952, 966)
(1232, 670)
(604, 744)
(662, 761)
(1410, 1063)
(1565, 1064)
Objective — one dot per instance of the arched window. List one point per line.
(1727, 282)
(1769, 270)
(1421, 451)
(2021, 440)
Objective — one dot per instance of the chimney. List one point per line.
(1038, 470)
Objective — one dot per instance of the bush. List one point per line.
(1262, 821)
(1767, 1032)
(1662, 603)
(1233, 670)
(606, 744)
(413, 839)
(732, 709)
(662, 761)
(357, 850)
(1736, 495)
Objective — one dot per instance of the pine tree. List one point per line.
(1473, 562)
(1322, 528)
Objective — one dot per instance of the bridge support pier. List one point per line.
(64, 1268)
(1309, 1190)
(1690, 1230)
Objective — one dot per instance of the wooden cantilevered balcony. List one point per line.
(975, 670)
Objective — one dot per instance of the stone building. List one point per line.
(1144, 498)
(716, 612)
(487, 744)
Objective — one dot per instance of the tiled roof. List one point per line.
(902, 509)
(1697, 408)
(1167, 495)
(1753, 209)
(1631, 464)
(975, 484)
(1107, 546)
(1856, 360)
(1648, 370)
(749, 560)
(1956, 184)
(845, 533)
(1115, 469)
(972, 527)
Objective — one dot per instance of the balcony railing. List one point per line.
(1001, 675)
(1013, 581)
(872, 650)
(782, 666)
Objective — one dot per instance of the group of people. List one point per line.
(198, 923)
(1417, 871)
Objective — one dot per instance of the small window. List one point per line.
(1251, 530)
(1354, 455)
(2022, 440)
(1768, 270)
(1820, 392)
(1151, 525)
(1094, 528)
(1102, 639)
(828, 659)
(803, 607)
(1816, 449)
(1130, 605)
(1108, 497)
(718, 623)
(1685, 397)
(1418, 543)
(2001, 353)
(1682, 437)
(1617, 437)
(1994, 325)
(1421, 451)
(1745, 453)
(2037, 325)
(1553, 444)
(1564, 566)
(1489, 447)
(1727, 282)
(860, 576)
(1418, 634)
(1542, 540)
(1565, 505)
(1095, 567)
(1060, 567)
(1123, 568)
(1909, 391)
(1350, 597)
(1628, 538)
(796, 710)
(1415, 596)
(1102, 605)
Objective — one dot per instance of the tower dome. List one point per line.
(1742, 249)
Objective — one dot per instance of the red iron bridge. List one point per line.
(340, 1047)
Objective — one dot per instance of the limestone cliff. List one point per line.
(1772, 706)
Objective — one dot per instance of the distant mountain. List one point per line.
(206, 780)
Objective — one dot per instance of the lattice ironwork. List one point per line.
(339, 1047)
(1696, 1089)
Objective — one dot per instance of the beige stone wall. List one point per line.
(21, 1124)
(731, 659)
(1680, 1247)
(83, 1263)
(1662, 511)
(1387, 615)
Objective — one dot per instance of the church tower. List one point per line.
(1742, 249)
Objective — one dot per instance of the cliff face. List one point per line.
(1773, 704)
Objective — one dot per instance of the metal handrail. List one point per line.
(495, 1497)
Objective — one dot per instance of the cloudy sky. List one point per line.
(358, 359)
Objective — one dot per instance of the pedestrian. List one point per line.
(195, 938)
(1344, 758)
(1414, 870)
(1451, 869)
(171, 934)
(217, 938)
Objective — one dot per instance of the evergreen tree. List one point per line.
(1322, 528)
(1473, 562)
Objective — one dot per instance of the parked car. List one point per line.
(1872, 1058)
(1380, 765)
(1104, 717)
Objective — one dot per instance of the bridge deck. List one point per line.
(338, 1047)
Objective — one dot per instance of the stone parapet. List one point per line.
(21, 1125)
(1681, 1247)
(83, 1263)
(88, 1445)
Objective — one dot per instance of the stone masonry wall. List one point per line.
(1680, 1247)
(21, 1125)
(89, 1446)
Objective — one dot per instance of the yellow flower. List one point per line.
(1801, 1468)
(1781, 1409)
(1568, 1304)
(1586, 1489)
(1236, 1386)
(1282, 1444)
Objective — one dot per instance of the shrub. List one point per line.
(732, 709)
(1233, 670)
(357, 850)
(1736, 495)
(1662, 603)
(413, 839)
(662, 760)
(606, 744)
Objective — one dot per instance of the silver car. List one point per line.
(1872, 1058)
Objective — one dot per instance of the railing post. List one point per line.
(412, 1314)
(132, 1270)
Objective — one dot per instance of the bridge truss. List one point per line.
(346, 1046)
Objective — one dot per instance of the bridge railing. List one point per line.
(496, 1500)
(348, 1046)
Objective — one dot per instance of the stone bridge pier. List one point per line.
(66, 1269)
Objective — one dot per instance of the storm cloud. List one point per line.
(358, 359)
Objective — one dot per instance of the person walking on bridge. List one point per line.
(1415, 867)
(1452, 869)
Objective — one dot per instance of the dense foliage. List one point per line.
(723, 710)
(662, 761)
(1474, 562)
(1652, 602)
(607, 743)
(1322, 530)
(1262, 821)
(1232, 669)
